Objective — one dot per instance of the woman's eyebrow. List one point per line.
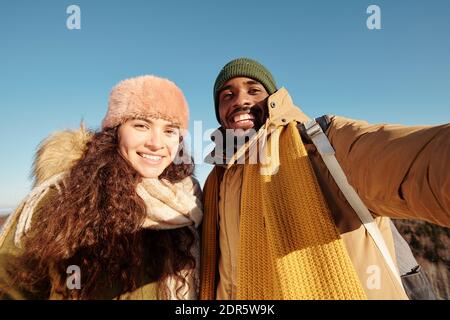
(172, 126)
(151, 122)
(144, 119)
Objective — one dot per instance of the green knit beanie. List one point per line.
(243, 67)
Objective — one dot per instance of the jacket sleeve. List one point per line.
(9, 289)
(398, 171)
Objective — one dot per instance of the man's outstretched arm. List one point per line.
(398, 171)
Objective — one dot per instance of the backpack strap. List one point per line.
(316, 134)
(323, 121)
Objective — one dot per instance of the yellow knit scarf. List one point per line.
(290, 247)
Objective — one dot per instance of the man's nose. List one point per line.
(242, 99)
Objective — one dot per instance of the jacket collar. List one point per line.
(282, 110)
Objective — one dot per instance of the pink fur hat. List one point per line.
(146, 97)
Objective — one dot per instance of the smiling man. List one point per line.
(242, 104)
(281, 228)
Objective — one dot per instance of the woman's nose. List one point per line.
(154, 140)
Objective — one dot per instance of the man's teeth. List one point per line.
(241, 117)
(148, 156)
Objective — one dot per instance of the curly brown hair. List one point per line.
(95, 223)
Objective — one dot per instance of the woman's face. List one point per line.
(149, 145)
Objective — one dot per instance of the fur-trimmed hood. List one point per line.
(59, 152)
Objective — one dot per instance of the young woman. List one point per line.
(114, 213)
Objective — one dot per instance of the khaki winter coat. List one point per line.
(398, 171)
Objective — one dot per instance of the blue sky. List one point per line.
(51, 78)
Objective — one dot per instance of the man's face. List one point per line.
(243, 104)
